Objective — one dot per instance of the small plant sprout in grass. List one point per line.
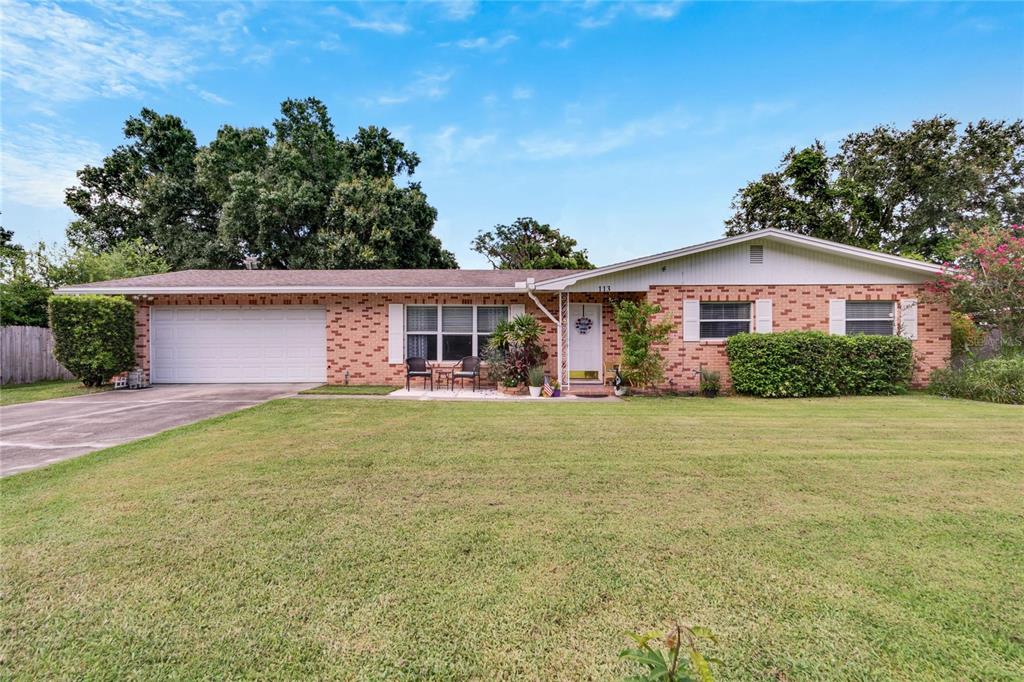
(671, 664)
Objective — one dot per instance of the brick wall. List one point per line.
(795, 307)
(357, 324)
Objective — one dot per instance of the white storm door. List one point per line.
(585, 351)
(238, 344)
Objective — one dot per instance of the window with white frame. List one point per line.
(871, 317)
(449, 332)
(720, 320)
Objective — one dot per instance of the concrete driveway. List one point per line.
(33, 435)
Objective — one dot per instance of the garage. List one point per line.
(238, 344)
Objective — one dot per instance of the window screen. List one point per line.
(722, 320)
(457, 318)
(870, 317)
(421, 318)
(488, 317)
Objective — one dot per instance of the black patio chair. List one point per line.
(417, 367)
(468, 368)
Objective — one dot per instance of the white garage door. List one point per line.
(237, 344)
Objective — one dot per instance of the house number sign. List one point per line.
(584, 324)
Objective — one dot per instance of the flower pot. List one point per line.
(621, 391)
(556, 393)
(710, 393)
(535, 391)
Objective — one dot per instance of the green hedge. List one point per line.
(999, 380)
(800, 364)
(94, 336)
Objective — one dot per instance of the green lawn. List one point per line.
(860, 539)
(44, 390)
(332, 389)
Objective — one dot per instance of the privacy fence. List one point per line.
(26, 355)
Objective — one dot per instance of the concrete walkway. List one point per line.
(33, 435)
(459, 394)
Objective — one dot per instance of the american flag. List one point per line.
(546, 391)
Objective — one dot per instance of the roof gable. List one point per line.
(849, 262)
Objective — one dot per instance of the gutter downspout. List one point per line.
(530, 286)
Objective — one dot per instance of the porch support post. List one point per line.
(563, 339)
(558, 330)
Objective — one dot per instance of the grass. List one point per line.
(331, 389)
(44, 390)
(850, 539)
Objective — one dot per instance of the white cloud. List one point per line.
(587, 144)
(451, 148)
(38, 163)
(522, 93)
(331, 43)
(390, 26)
(563, 44)
(62, 56)
(483, 44)
(657, 10)
(460, 10)
(608, 14)
(660, 11)
(430, 86)
(69, 53)
(211, 97)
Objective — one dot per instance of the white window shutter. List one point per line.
(396, 333)
(837, 316)
(691, 320)
(515, 310)
(763, 324)
(908, 318)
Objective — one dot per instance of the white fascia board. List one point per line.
(559, 283)
(153, 291)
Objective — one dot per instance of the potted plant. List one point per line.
(509, 386)
(710, 383)
(535, 378)
(556, 389)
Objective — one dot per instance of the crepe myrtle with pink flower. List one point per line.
(985, 279)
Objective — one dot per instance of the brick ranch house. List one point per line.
(358, 326)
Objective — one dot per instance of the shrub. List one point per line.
(536, 376)
(94, 336)
(642, 364)
(965, 336)
(801, 364)
(23, 302)
(999, 380)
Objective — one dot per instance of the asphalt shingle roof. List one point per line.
(371, 279)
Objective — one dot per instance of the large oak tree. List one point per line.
(901, 191)
(296, 196)
(529, 244)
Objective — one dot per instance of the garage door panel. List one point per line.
(238, 344)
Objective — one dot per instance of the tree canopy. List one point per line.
(529, 244)
(901, 191)
(296, 196)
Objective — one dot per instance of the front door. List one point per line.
(585, 356)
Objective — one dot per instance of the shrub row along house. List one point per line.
(359, 326)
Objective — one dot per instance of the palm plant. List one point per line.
(515, 348)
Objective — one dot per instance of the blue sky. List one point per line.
(628, 126)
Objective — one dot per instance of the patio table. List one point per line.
(444, 373)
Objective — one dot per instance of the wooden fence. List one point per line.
(26, 355)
